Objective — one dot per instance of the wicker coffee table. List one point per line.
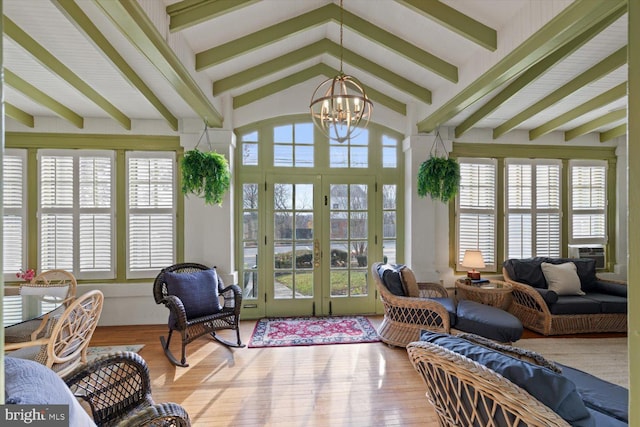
(495, 293)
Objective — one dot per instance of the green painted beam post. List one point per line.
(18, 115)
(186, 14)
(56, 66)
(42, 98)
(590, 126)
(536, 71)
(138, 28)
(83, 23)
(266, 36)
(599, 101)
(573, 20)
(456, 21)
(601, 69)
(613, 133)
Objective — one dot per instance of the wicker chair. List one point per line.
(405, 317)
(117, 388)
(51, 283)
(67, 336)
(466, 393)
(191, 329)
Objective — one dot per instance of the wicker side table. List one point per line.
(495, 293)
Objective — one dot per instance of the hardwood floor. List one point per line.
(328, 385)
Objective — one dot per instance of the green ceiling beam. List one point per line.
(599, 101)
(311, 51)
(590, 126)
(136, 25)
(456, 21)
(331, 12)
(18, 115)
(42, 98)
(574, 19)
(57, 67)
(613, 133)
(188, 13)
(535, 72)
(303, 76)
(601, 69)
(71, 10)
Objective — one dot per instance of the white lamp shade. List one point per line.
(473, 259)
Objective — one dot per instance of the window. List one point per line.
(353, 153)
(14, 220)
(533, 215)
(151, 212)
(293, 145)
(250, 149)
(476, 210)
(588, 202)
(76, 205)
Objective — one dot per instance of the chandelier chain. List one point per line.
(341, 20)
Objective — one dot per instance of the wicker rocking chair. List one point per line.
(203, 323)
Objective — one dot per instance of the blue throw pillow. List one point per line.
(198, 291)
(550, 388)
(390, 276)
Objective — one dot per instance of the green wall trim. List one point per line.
(121, 216)
(315, 49)
(613, 133)
(18, 115)
(91, 141)
(135, 24)
(83, 23)
(601, 69)
(186, 14)
(492, 150)
(320, 16)
(32, 208)
(56, 66)
(42, 98)
(456, 21)
(536, 71)
(590, 126)
(304, 75)
(573, 20)
(599, 101)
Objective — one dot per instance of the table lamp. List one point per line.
(473, 259)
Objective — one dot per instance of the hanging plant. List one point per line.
(438, 177)
(205, 174)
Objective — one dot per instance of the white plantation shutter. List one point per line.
(588, 201)
(476, 204)
(15, 214)
(532, 208)
(77, 212)
(151, 212)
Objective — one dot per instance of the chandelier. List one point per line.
(339, 106)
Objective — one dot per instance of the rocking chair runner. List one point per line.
(190, 291)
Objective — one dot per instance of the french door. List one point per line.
(317, 245)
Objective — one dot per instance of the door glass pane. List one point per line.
(250, 240)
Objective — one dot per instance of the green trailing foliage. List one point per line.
(439, 177)
(205, 174)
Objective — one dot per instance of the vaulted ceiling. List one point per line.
(534, 65)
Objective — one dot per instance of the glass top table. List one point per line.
(19, 308)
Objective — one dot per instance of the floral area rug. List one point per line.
(95, 352)
(298, 331)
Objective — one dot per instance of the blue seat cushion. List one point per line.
(552, 389)
(198, 291)
(609, 303)
(450, 305)
(604, 420)
(574, 304)
(390, 277)
(487, 321)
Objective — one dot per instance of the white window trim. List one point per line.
(22, 212)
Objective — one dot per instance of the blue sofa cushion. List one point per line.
(198, 291)
(604, 420)
(526, 271)
(552, 389)
(486, 321)
(548, 295)
(609, 303)
(450, 305)
(390, 277)
(574, 304)
(600, 395)
(610, 288)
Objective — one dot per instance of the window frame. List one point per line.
(572, 211)
(21, 212)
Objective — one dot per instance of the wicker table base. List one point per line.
(495, 293)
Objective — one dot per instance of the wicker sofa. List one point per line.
(597, 306)
(473, 382)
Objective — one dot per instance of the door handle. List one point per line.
(316, 253)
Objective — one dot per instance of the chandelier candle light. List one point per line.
(339, 106)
